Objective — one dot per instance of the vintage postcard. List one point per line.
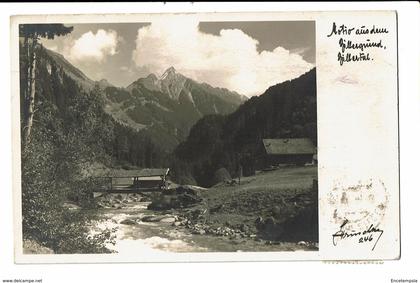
(205, 137)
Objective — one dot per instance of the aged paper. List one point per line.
(311, 174)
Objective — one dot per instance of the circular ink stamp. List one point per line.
(358, 210)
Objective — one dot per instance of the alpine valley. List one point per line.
(210, 169)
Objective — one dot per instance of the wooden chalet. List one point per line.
(296, 151)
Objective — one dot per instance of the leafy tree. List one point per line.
(70, 131)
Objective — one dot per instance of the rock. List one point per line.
(237, 241)
(177, 223)
(149, 218)
(71, 206)
(302, 243)
(168, 220)
(159, 218)
(244, 228)
(276, 211)
(128, 221)
(182, 196)
(198, 231)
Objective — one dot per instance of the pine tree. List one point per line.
(31, 34)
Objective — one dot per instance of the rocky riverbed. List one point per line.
(191, 219)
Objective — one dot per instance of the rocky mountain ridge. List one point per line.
(166, 106)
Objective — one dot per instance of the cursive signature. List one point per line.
(364, 236)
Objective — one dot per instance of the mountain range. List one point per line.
(164, 107)
(172, 120)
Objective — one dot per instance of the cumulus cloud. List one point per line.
(229, 60)
(93, 46)
(53, 48)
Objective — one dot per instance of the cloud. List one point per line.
(53, 48)
(93, 47)
(301, 50)
(229, 60)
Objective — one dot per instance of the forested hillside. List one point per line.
(286, 110)
(65, 130)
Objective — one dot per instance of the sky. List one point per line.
(246, 57)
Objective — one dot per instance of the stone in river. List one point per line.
(150, 218)
(168, 219)
(128, 222)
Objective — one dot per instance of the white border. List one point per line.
(406, 268)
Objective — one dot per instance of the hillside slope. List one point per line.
(286, 110)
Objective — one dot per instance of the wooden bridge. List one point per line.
(133, 181)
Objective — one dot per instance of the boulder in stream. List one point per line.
(159, 218)
(128, 221)
(182, 196)
(169, 219)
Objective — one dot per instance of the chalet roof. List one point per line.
(145, 172)
(289, 146)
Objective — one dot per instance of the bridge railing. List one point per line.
(125, 183)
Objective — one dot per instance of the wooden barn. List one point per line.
(298, 151)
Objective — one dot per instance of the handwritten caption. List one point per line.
(356, 50)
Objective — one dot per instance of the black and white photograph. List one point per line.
(170, 136)
(210, 142)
